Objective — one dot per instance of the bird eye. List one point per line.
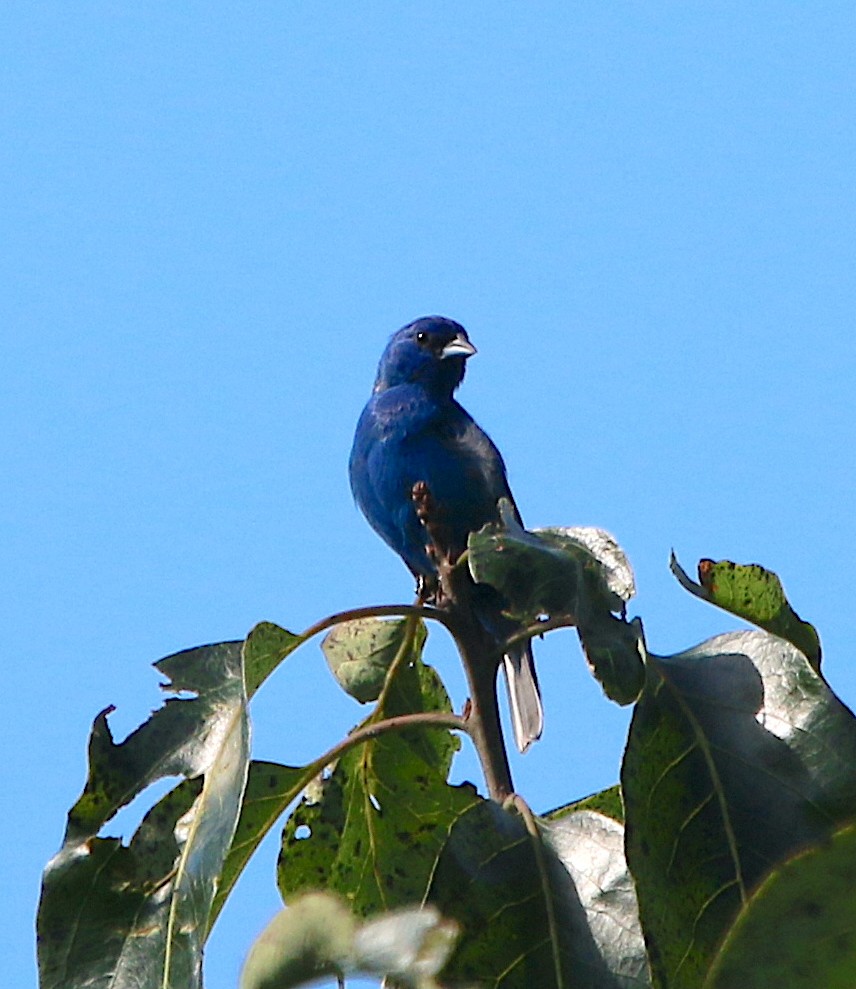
(422, 337)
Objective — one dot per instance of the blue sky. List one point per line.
(214, 216)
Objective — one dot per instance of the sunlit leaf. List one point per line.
(755, 595)
(360, 653)
(554, 908)
(738, 755)
(318, 935)
(137, 915)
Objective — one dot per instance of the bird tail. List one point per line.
(524, 697)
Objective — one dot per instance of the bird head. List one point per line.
(431, 351)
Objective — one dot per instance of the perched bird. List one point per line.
(412, 430)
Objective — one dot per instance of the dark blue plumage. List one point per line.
(412, 430)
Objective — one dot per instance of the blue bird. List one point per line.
(413, 430)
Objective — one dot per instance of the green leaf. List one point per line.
(738, 754)
(318, 935)
(265, 648)
(313, 938)
(797, 930)
(755, 595)
(138, 914)
(372, 828)
(615, 652)
(360, 653)
(549, 906)
(580, 575)
(270, 789)
(550, 571)
(607, 802)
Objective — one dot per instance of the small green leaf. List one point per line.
(754, 594)
(265, 648)
(312, 938)
(797, 930)
(360, 653)
(550, 571)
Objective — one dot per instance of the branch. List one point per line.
(480, 653)
(428, 719)
(380, 611)
(540, 627)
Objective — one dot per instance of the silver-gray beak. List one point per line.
(459, 347)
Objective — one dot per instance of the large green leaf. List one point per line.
(137, 915)
(799, 928)
(550, 904)
(373, 826)
(738, 754)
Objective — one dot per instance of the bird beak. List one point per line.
(459, 347)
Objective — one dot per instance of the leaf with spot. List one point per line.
(373, 827)
(265, 648)
(360, 653)
(738, 755)
(131, 915)
(754, 594)
(546, 903)
(270, 788)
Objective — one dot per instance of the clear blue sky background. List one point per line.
(214, 215)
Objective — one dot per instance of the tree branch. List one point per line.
(380, 611)
(480, 653)
(428, 719)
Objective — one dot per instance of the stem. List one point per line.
(380, 611)
(478, 654)
(540, 627)
(480, 657)
(430, 719)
